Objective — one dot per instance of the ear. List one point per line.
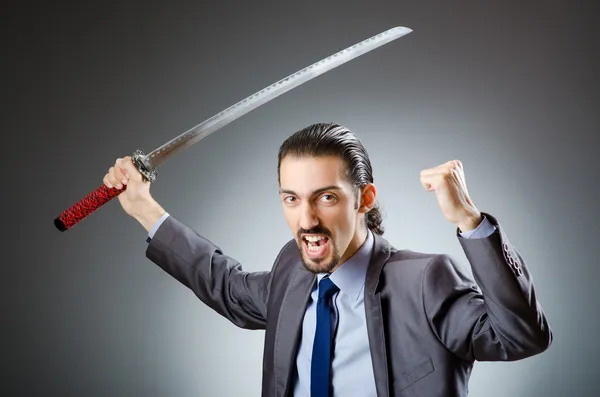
(368, 198)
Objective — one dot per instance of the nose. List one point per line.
(308, 217)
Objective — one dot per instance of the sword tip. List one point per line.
(404, 28)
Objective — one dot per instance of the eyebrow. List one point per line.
(320, 190)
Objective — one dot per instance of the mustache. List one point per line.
(314, 230)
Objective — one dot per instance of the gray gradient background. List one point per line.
(510, 89)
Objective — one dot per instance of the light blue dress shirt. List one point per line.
(352, 369)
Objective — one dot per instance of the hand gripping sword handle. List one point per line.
(100, 196)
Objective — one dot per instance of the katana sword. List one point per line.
(147, 164)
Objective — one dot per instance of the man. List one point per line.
(345, 312)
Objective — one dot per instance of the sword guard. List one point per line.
(148, 172)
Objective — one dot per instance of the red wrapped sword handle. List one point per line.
(102, 195)
(86, 206)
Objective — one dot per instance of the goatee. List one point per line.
(318, 265)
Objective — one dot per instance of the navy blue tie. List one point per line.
(320, 371)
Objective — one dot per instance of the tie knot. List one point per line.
(327, 288)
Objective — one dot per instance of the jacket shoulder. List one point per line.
(407, 264)
(406, 257)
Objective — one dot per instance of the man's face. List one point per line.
(320, 208)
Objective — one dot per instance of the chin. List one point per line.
(316, 268)
(323, 265)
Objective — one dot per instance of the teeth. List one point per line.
(313, 242)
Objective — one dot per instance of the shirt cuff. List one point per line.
(156, 226)
(484, 229)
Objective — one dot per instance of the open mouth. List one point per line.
(315, 245)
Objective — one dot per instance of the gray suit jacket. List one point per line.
(427, 319)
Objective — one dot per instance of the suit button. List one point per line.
(505, 246)
(511, 261)
(519, 271)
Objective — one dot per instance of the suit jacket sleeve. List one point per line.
(496, 318)
(218, 280)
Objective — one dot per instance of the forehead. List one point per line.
(306, 174)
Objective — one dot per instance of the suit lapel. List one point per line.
(289, 325)
(374, 315)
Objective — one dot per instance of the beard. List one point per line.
(319, 265)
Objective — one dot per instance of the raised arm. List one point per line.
(218, 280)
(496, 316)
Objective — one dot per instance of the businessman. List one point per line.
(346, 313)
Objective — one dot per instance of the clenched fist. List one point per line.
(135, 199)
(448, 182)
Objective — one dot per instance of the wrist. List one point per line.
(147, 213)
(470, 222)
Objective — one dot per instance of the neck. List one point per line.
(357, 241)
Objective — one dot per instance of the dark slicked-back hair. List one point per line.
(325, 139)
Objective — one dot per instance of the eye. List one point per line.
(330, 198)
(289, 199)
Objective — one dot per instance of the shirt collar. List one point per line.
(350, 276)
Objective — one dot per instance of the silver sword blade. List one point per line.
(207, 127)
